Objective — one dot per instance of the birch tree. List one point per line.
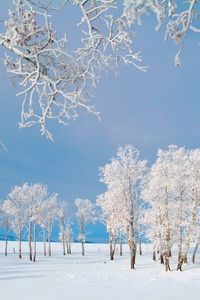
(55, 82)
(113, 216)
(157, 191)
(125, 172)
(63, 215)
(192, 227)
(39, 196)
(68, 237)
(6, 223)
(49, 213)
(85, 213)
(15, 207)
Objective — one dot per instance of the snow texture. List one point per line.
(93, 277)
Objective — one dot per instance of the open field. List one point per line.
(92, 277)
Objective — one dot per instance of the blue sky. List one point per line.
(149, 110)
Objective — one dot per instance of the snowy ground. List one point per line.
(92, 277)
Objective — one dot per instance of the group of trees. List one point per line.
(30, 211)
(121, 203)
(162, 202)
(172, 189)
(54, 77)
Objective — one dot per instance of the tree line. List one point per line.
(158, 203)
(30, 209)
(161, 202)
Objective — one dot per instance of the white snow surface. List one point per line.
(93, 277)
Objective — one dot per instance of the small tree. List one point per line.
(49, 210)
(16, 208)
(63, 215)
(124, 173)
(85, 214)
(5, 222)
(113, 216)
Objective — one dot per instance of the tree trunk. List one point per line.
(67, 246)
(190, 228)
(132, 244)
(49, 239)
(64, 251)
(63, 235)
(121, 246)
(44, 241)
(82, 231)
(167, 266)
(195, 250)
(113, 241)
(83, 248)
(6, 239)
(49, 248)
(180, 263)
(161, 259)
(70, 249)
(34, 230)
(20, 247)
(140, 246)
(154, 255)
(132, 254)
(185, 260)
(111, 249)
(30, 240)
(180, 237)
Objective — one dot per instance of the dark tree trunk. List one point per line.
(195, 251)
(35, 250)
(49, 238)
(185, 259)
(6, 239)
(161, 259)
(83, 248)
(132, 253)
(49, 249)
(30, 240)
(154, 255)
(70, 248)
(44, 241)
(180, 263)
(170, 253)
(167, 266)
(121, 246)
(112, 247)
(140, 246)
(63, 235)
(20, 247)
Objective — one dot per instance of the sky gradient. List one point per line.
(149, 110)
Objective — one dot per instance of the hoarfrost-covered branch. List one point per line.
(178, 17)
(54, 82)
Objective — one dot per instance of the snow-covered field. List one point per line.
(92, 277)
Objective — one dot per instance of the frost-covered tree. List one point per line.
(68, 237)
(113, 216)
(125, 173)
(39, 195)
(34, 194)
(16, 208)
(48, 214)
(157, 192)
(85, 213)
(5, 222)
(192, 228)
(55, 81)
(63, 216)
(172, 191)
